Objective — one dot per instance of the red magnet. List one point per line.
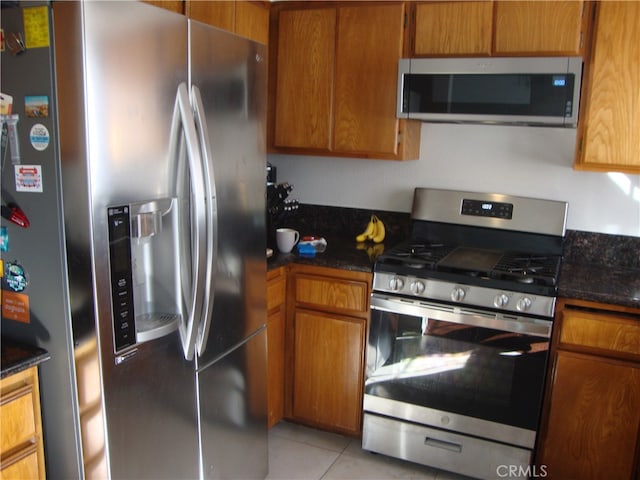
(14, 214)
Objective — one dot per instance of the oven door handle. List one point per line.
(462, 315)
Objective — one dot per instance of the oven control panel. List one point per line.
(483, 208)
(462, 294)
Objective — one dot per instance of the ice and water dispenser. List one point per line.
(145, 281)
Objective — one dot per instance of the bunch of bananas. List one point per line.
(375, 231)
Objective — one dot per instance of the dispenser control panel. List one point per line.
(124, 329)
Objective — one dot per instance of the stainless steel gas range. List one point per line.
(461, 320)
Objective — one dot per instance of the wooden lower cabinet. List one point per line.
(21, 447)
(328, 370)
(276, 295)
(591, 427)
(327, 313)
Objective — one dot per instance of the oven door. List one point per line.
(470, 371)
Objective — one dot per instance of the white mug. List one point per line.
(286, 238)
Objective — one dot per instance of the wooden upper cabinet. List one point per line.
(173, 5)
(305, 72)
(249, 19)
(219, 14)
(370, 42)
(541, 27)
(507, 28)
(453, 28)
(608, 132)
(333, 80)
(252, 21)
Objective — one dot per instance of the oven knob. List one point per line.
(417, 287)
(396, 283)
(524, 304)
(457, 294)
(501, 300)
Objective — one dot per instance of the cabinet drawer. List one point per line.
(276, 292)
(18, 422)
(601, 330)
(347, 296)
(23, 464)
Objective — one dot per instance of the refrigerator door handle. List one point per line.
(183, 117)
(212, 219)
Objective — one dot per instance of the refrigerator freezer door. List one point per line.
(132, 60)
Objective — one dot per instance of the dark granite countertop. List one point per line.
(340, 253)
(601, 268)
(613, 285)
(19, 356)
(597, 267)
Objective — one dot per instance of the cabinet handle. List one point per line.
(434, 442)
(16, 457)
(17, 393)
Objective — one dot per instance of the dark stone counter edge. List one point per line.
(615, 286)
(17, 357)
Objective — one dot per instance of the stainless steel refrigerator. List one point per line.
(135, 148)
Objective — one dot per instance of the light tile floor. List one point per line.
(301, 453)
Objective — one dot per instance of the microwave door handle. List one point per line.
(183, 116)
(212, 220)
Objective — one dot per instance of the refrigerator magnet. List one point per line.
(28, 178)
(36, 26)
(15, 306)
(15, 277)
(4, 240)
(36, 106)
(39, 137)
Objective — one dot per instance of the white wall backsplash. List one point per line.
(526, 161)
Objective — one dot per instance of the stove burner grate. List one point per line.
(524, 268)
(472, 262)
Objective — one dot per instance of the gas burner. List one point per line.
(416, 254)
(523, 268)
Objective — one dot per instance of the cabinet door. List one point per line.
(219, 14)
(525, 27)
(305, 71)
(608, 139)
(453, 28)
(252, 21)
(173, 5)
(328, 370)
(594, 418)
(370, 41)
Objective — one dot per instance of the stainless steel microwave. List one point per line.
(504, 90)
